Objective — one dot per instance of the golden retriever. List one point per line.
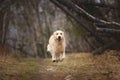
(56, 46)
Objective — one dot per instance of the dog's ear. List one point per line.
(63, 33)
(54, 33)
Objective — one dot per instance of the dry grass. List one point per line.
(77, 66)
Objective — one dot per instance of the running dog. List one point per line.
(56, 46)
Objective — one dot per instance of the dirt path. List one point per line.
(83, 66)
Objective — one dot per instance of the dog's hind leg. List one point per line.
(64, 53)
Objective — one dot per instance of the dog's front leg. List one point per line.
(63, 55)
(53, 57)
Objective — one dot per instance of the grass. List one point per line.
(76, 66)
(18, 70)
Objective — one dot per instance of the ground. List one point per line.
(76, 66)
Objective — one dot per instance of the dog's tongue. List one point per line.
(59, 39)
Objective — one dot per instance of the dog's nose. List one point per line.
(59, 37)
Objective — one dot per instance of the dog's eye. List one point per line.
(60, 33)
(56, 33)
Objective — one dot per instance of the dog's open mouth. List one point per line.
(59, 39)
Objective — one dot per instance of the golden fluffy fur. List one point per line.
(56, 46)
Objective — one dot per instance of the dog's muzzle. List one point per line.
(59, 38)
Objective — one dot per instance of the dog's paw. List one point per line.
(53, 60)
(63, 57)
(57, 61)
(61, 60)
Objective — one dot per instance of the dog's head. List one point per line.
(59, 35)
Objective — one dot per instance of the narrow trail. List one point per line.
(83, 66)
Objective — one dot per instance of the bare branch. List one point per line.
(94, 3)
(97, 19)
(107, 30)
(79, 10)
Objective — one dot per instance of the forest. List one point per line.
(92, 30)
